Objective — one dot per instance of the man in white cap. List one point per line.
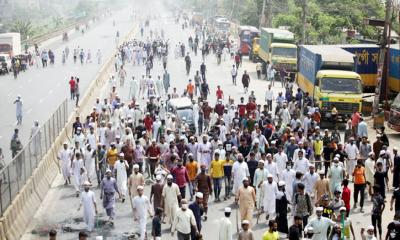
(135, 179)
(108, 188)
(121, 166)
(260, 176)
(141, 209)
(310, 178)
(369, 235)
(246, 198)
(246, 233)
(90, 165)
(320, 225)
(352, 155)
(76, 166)
(269, 190)
(170, 196)
(65, 156)
(197, 209)
(88, 201)
(282, 209)
(156, 192)
(288, 175)
(281, 159)
(240, 170)
(335, 175)
(205, 152)
(225, 226)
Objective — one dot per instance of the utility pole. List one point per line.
(383, 41)
(303, 20)
(262, 16)
(269, 13)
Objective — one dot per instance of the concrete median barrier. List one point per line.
(19, 214)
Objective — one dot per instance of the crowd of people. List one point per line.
(271, 165)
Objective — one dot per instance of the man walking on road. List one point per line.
(234, 74)
(88, 200)
(141, 209)
(170, 196)
(108, 189)
(72, 88)
(184, 222)
(225, 226)
(245, 81)
(18, 109)
(65, 156)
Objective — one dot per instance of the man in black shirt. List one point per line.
(244, 149)
(295, 232)
(396, 200)
(379, 177)
(393, 229)
(156, 224)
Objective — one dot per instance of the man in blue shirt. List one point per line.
(197, 209)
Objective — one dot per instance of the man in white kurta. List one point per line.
(281, 159)
(88, 201)
(288, 176)
(310, 178)
(120, 168)
(240, 171)
(302, 164)
(260, 176)
(205, 151)
(270, 189)
(141, 209)
(320, 225)
(76, 166)
(225, 226)
(272, 167)
(65, 156)
(89, 159)
(170, 195)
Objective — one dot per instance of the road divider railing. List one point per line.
(34, 174)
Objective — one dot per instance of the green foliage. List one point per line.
(23, 27)
(328, 19)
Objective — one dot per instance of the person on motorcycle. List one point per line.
(188, 62)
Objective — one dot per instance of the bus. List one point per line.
(222, 25)
(246, 36)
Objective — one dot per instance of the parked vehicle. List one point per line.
(246, 36)
(182, 108)
(327, 74)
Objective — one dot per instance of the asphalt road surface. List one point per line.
(44, 89)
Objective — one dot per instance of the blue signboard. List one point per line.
(309, 64)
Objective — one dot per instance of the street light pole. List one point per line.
(383, 47)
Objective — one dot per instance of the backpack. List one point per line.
(309, 207)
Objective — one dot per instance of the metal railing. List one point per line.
(16, 173)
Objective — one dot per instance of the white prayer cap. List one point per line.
(281, 183)
(292, 138)
(311, 165)
(321, 172)
(121, 154)
(395, 149)
(370, 227)
(269, 155)
(199, 195)
(153, 140)
(335, 159)
(158, 177)
(342, 209)
(256, 141)
(108, 171)
(227, 210)
(245, 179)
(270, 175)
(273, 142)
(382, 152)
(170, 176)
(136, 166)
(65, 143)
(300, 142)
(99, 237)
(87, 183)
(245, 222)
(140, 187)
(117, 136)
(319, 209)
(372, 153)
(317, 127)
(261, 161)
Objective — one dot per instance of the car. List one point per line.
(5, 58)
(182, 108)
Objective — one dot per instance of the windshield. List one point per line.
(284, 52)
(2, 58)
(341, 85)
(396, 102)
(187, 113)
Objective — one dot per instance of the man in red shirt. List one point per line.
(355, 119)
(207, 112)
(190, 89)
(251, 107)
(241, 108)
(148, 123)
(153, 153)
(346, 194)
(220, 93)
(181, 177)
(72, 87)
(219, 108)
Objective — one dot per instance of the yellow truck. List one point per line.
(278, 47)
(328, 75)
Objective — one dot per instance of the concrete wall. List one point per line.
(18, 215)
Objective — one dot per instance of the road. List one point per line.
(59, 206)
(44, 89)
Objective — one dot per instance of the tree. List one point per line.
(25, 28)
